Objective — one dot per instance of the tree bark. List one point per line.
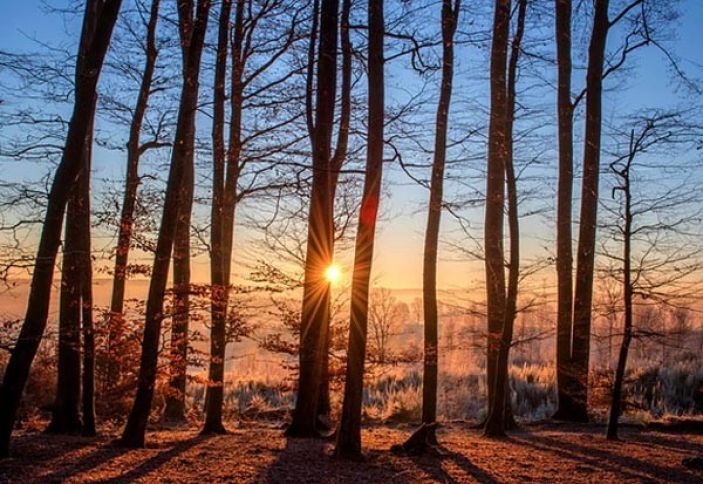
(133, 435)
(450, 15)
(628, 290)
(340, 154)
(175, 401)
(493, 227)
(500, 414)
(225, 176)
(175, 410)
(69, 169)
(66, 414)
(512, 209)
(349, 433)
(583, 294)
(316, 304)
(565, 110)
(65, 418)
(86, 286)
(129, 201)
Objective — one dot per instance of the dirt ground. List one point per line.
(545, 452)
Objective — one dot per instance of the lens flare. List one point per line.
(333, 274)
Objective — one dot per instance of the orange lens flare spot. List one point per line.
(333, 274)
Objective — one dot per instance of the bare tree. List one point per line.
(656, 230)
(502, 410)
(338, 159)
(87, 323)
(583, 294)
(175, 403)
(194, 30)
(264, 36)
(105, 13)
(384, 314)
(565, 113)
(349, 433)
(314, 317)
(135, 148)
(495, 201)
(573, 335)
(426, 434)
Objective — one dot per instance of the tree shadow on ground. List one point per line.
(37, 450)
(672, 442)
(624, 466)
(162, 458)
(99, 456)
(312, 460)
(27, 443)
(108, 452)
(432, 465)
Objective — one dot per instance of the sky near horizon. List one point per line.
(398, 261)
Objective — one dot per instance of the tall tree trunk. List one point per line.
(450, 15)
(134, 151)
(565, 110)
(223, 203)
(349, 433)
(498, 138)
(512, 193)
(495, 200)
(66, 414)
(65, 418)
(583, 294)
(69, 169)
(175, 402)
(316, 304)
(86, 277)
(175, 411)
(340, 154)
(616, 401)
(218, 307)
(500, 415)
(133, 435)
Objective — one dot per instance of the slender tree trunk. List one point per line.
(69, 169)
(175, 402)
(218, 304)
(429, 381)
(76, 305)
(133, 435)
(66, 414)
(86, 269)
(175, 411)
(65, 417)
(616, 402)
(493, 227)
(340, 154)
(128, 203)
(223, 204)
(512, 211)
(426, 433)
(316, 305)
(349, 433)
(583, 294)
(324, 406)
(565, 110)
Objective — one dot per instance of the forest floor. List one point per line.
(256, 453)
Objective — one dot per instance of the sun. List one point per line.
(333, 273)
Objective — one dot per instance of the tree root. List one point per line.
(422, 441)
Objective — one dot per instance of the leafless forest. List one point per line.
(353, 240)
